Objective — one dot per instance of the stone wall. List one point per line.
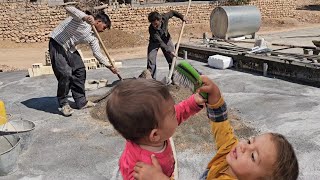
(276, 8)
(32, 22)
(134, 18)
(28, 22)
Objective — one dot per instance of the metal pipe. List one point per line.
(265, 69)
(185, 54)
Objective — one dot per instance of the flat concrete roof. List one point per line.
(80, 147)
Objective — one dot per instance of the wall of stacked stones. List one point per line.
(276, 8)
(28, 22)
(32, 22)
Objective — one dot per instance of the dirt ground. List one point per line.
(15, 56)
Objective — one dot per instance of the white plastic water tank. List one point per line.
(220, 62)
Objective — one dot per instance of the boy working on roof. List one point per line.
(67, 64)
(144, 113)
(160, 38)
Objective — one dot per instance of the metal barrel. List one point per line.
(234, 21)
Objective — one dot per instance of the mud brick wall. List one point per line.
(28, 22)
(134, 18)
(276, 8)
(32, 22)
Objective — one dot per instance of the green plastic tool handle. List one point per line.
(192, 71)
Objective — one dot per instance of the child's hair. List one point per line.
(154, 16)
(104, 18)
(134, 107)
(88, 12)
(101, 16)
(286, 166)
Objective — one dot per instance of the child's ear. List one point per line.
(154, 135)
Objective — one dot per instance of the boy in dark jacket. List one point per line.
(160, 38)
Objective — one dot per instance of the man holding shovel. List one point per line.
(66, 61)
(160, 38)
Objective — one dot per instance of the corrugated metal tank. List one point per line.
(234, 21)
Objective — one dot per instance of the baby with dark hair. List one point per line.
(144, 113)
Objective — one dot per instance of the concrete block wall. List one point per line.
(25, 22)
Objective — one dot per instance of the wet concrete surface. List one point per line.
(80, 147)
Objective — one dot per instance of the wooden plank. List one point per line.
(294, 46)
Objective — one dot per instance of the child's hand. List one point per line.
(144, 171)
(199, 99)
(113, 69)
(211, 88)
(89, 19)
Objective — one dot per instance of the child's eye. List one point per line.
(252, 157)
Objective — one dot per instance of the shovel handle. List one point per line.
(119, 76)
(105, 49)
(178, 43)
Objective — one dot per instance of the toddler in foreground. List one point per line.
(144, 113)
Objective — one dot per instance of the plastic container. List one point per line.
(220, 62)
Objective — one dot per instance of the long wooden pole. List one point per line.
(105, 49)
(178, 44)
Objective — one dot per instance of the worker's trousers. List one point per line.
(70, 72)
(153, 48)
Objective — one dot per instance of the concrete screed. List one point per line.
(79, 147)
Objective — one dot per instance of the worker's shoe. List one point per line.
(89, 105)
(66, 110)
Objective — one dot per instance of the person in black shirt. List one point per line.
(160, 38)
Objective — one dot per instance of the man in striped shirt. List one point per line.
(66, 61)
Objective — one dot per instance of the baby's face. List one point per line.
(169, 123)
(253, 158)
